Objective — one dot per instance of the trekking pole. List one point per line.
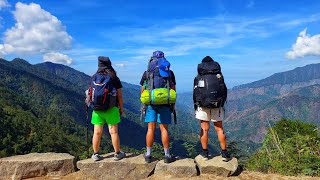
(87, 131)
(173, 110)
(174, 116)
(142, 112)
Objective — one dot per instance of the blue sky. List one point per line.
(250, 39)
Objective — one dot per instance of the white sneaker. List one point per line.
(119, 156)
(96, 157)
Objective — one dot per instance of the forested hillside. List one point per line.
(293, 94)
(42, 110)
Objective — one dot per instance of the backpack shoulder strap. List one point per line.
(168, 79)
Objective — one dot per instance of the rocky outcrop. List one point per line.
(35, 165)
(215, 166)
(131, 167)
(178, 169)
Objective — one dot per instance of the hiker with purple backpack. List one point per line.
(158, 94)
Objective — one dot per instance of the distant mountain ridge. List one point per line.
(292, 94)
(66, 72)
(297, 75)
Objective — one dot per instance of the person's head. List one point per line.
(207, 59)
(105, 66)
(157, 54)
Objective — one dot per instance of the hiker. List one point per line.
(209, 96)
(105, 97)
(158, 87)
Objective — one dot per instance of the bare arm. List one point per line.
(142, 89)
(120, 101)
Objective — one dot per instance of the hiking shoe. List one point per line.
(205, 155)
(168, 159)
(118, 156)
(147, 159)
(96, 157)
(225, 156)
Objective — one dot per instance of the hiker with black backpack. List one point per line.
(158, 94)
(209, 96)
(105, 97)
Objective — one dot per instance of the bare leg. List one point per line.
(164, 135)
(221, 136)
(150, 134)
(113, 130)
(204, 133)
(98, 130)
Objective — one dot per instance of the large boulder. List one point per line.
(216, 166)
(180, 168)
(35, 165)
(131, 167)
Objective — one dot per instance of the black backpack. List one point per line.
(209, 91)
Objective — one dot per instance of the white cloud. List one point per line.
(120, 65)
(36, 32)
(305, 45)
(2, 52)
(57, 58)
(4, 3)
(181, 38)
(300, 21)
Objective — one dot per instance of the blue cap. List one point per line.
(164, 67)
(158, 54)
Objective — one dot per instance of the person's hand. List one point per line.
(143, 109)
(87, 98)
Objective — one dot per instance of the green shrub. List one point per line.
(290, 148)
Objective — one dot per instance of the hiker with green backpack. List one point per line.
(209, 96)
(105, 97)
(158, 94)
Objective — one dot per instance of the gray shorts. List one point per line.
(207, 114)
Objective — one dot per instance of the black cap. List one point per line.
(207, 59)
(104, 63)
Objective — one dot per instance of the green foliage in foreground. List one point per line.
(290, 148)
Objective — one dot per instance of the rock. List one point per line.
(35, 165)
(180, 168)
(216, 166)
(131, 167)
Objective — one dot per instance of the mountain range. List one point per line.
(252, 108)
(49, 94)
(41, 108)
(292, 94)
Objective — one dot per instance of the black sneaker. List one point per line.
(168, 159)
(147, 158)
(225, 156)
(205, 155)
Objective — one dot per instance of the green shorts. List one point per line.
(111, 117)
